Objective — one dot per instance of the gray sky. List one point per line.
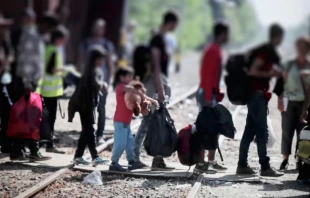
(286, 12)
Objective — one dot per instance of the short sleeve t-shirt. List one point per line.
(158, 42)
(122, 113)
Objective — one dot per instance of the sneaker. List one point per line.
(54, 150)
(204, 168)
(38, 157)
(80, 160)
(284, 165)
(160, 165)
(217, 166)
(137, 165)
(270, 172)
(116, 167)
(245, 170)
(99, 161)
(100, 140)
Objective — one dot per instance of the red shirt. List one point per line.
(210, 71)
(122, 113)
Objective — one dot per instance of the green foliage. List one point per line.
(196, 19)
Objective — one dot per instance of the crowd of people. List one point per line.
(32, 60)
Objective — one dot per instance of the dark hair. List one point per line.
(170, 17)
(305, 40)
(121, 72)
(50, 20)
(28, 12)
(275, 30)
(96, 52)
(57, 34)
(220, 28)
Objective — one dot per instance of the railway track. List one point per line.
(52, 178)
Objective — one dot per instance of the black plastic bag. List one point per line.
(46, 132)
(161, 137)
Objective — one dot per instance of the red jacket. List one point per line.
(210, 72)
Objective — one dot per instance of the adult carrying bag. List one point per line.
(161, 136)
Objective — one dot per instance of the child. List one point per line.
(85, 101)
(123, 139)
(51, 85)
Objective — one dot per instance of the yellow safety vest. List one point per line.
(51, 85)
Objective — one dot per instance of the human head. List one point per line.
(302, 46)
(276, 33)
(96, 57)
(58, 37)
(98, 28)
(170, 20)
(28, 17)
(221, 32)
(123, 75)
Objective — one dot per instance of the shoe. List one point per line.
(80, 160)
(54, 150)
(245, 170)
(100, 140)
(298, 165)
(99, 161)
(21, 157)
(204, 168)
(270, 172)
(160, 165)
(38, 157)
(284, 165)
(137, 165)
(217, 166)
(116, 167)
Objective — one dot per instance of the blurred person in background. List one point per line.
(173, 50)
(130, 40)
(29, 70)
(51, 85)
(263, 67)
(157, 84)
(6, 57)
(97, 38)
(46, 25)
(209, 95)
(296, 84)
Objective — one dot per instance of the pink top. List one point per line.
(122, 113)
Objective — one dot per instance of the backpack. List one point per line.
(25, 117)
(225, 121)
(141, 60)
(187, 156)
(237, 81)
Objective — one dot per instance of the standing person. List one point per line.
(123, 139)
(97, 38)
(262, 69)
(29, 70)
(209, 95)
(51, 87)
(85, 100)
(157, 84)
(296, 84)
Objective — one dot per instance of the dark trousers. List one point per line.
(51, 105)
(19, 145)
(290, 124)
(5, 105)
(256, 125)
(87, 136)
(102, 114)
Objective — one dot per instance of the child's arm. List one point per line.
(152, 101)
(131, 89)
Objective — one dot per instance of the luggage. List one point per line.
(141, 61)
(185, 146)
(303, 154)
(237, 80)
(161, 136)
(25, 117)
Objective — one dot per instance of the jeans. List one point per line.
(5, 105)
(123, 140)
(51, 105)
(256, 125)
(290, 124)
(102, 114)
(87, 136)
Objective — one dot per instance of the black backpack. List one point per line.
(237, 81)
(141, 61)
